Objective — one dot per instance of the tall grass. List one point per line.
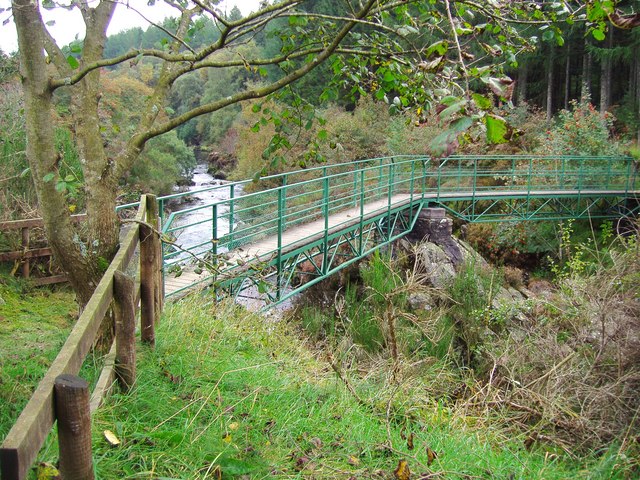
(228, 395)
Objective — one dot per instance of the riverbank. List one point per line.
(242, 398)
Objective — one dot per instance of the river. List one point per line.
(201, 233)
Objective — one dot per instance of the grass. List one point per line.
(226, 394)
(34, 324)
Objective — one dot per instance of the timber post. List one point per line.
(125, 309)
(74, 427)
(148, 277)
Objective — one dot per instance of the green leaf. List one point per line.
(73, 62)
(69, 178)
(75, 46)
(497, 129)
(482, 102)
(61, 187)
(453, 109)
(322, 135)
(461, 125)
(255, 128)
(25, 172)
(598, 35)
(256, 108)
(48, 177)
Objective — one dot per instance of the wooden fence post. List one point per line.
(153, 219)
(125, 310)
(74, 427)
(148, 278)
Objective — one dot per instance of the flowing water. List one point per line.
(201, 233)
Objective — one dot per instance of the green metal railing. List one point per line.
(275, 205)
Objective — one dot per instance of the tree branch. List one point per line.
(138, 141)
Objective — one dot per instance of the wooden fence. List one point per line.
(63, 397)
(26, 254)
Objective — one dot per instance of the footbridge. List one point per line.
(274, 236)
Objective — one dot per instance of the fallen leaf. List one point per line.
(402, 472)
(355, 461)
(217, 473)
(410, 441)
(301, 463)
(233, 426)
(431, 456)
(316, 442)
(111, 438)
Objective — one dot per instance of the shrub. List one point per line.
(581, 130)
(163, 162)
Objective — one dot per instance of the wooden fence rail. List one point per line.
(26, 253)
(60, 392)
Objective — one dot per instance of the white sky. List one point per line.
(68, 25)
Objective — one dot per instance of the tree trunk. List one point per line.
(550, 80)
(522, 83)
(636, 91)
(567, 77)
(98, 169)
(606, 70)
(585, 90)
(41, 152)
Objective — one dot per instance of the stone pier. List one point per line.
(434, 226)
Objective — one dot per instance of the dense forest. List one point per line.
(559, 68)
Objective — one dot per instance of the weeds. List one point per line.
(225, 395)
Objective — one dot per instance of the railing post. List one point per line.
(475, 184)
(424, 177)
(389, 195)
(325, 208)
(74, 427)
(439, 179)
(355, 188)
(161, 253)
(148, 276)
(232, 204)
(123, 294)
(214, 233)
(281, 197)
(361, 239)
(379, 194)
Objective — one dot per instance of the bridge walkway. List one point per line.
(328, 217)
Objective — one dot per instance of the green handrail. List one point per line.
(303, 196)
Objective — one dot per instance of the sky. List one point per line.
(68, 25)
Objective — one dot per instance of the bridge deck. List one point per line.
(300, 235)
(292, 238)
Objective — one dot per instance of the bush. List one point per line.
(163, 162)
(581, 130)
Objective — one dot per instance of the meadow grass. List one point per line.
(34, 323)
(228, 394)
